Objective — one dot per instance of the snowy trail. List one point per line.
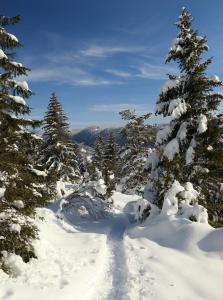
(118, 267)
(113, 259)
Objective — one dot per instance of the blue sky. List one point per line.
(102, 56)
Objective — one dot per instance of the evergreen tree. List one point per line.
(98, 154)
(184, 145)
(105, 161)
(21, 184)
(109, 164)
(212, 184)
(59, 155)
(133, 154)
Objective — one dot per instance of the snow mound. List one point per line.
(180, 234)
(85, 207)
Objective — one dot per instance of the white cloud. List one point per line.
(119, 73)
(139, 108)
(68, 75)
(59, 73)
(154, 72)
(104, 51)
(92, 82)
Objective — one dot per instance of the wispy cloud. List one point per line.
(155, 72)
(104, 51)
(68, 75)
(139, 108)
(119, 73)
(59, 73)
(92, 82)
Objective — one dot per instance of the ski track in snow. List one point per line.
(118, 267)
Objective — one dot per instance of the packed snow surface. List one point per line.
(167, 257)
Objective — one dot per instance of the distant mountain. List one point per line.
(89, 135)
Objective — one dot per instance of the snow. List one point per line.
(38, 172)
(16, 64)
(209, 148)
(182, 132)
(100, 187)
(18, 99)
(170, 203)
(190, 152)
(15, 227)
(2, 54)
(22, 84)
(202, 124)
(172, 258)
(163, 134)
(176, 108)
(170, 84)
(13, 37)
(166, 257)
(2, 192)
(171, 149)
(215, 78)
(18, 203)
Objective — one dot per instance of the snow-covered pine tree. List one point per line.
(58, 154)
(189, 100)
(109, 164)
(212, 186)
(21, 184)
(132, 175)
(98, 153)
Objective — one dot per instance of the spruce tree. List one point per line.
(58, 155)
(183, 147)
(21, 184)
(109, 164)
(133, 154)
(98, 153)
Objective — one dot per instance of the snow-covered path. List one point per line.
(118, 266)
(113, 259)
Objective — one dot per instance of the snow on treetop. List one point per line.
(2, 54)
(175, 45)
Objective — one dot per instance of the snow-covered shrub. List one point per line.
(87, 202)
(189, 207)
(144, 209)
(170, 203)
(183, 200)
(84, 206)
